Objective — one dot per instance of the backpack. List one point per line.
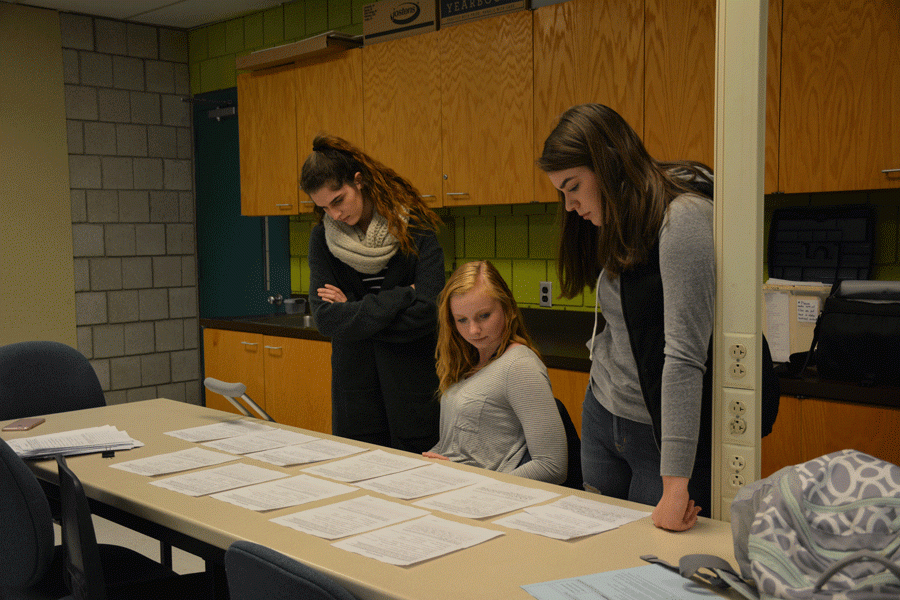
(826, 529)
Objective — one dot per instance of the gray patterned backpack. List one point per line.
(827, 529)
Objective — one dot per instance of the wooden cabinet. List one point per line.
(487, 113)
(402, 108)
(289, 378)
(840, 95)
(807, 428)
(267, 133)
(280, 110)
(235, 357)
(329, 101)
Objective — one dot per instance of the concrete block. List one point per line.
(185, 365)
(87, 240)
(180, 239)
(164, 207)
(102, 206)
(151, 239)
(109, 340)
(167, 271)
(183, 302)
(160, 76)
(75, 136)
(134, 206)
(154, 304)
(96, 69)
(137, 272)
(123, 306)
(81, 102)
(77, 31)
(173, 45)
(125, 372)
(128, 73)
(143, 41)
(148, 174)
(131, 140)
(111, 36)
(145, 108)
(169, 335)
(78, 202)
(106, 274)
(118, 173)
(155, 369)
(161, 141)
(114, 105)
(82, 275)
(71, 69)
(175, 111)
(100, 138)
(140, 338)
(178, 174)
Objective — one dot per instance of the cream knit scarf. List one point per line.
(367, 253)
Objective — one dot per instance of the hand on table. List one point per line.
(675, 511)
(434, 455)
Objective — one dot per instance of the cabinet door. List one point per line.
(235, 357)
(329, 100)
(267, 131)
(487, 111)
(840, 95)
(298, 382)
(829, 426)
(679, 101)
(402, 109)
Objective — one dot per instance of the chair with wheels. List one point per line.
(258, 573)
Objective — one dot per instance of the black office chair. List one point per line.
(102, 572)
(574, 478)
(39, 378)
(258, 573)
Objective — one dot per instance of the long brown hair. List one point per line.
(457, 358)
(335, 162)
(634, 191)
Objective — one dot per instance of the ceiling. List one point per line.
(180, 14)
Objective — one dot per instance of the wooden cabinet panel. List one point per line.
(807, 428)
(235, 357)
(773, 96)
(487, 111)
(402, 110)
(840, 95)
(569, 387)
(679, 102)
(298, 382)
(330, 100)
(267, 125)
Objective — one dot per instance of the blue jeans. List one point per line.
(619, 458)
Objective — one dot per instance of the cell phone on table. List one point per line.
(24, 424)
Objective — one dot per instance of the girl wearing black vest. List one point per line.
(639, 233)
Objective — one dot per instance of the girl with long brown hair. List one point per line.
(638, 232)
(376, 269)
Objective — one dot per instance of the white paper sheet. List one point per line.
(310, 452)
(173, 462)
(349, 517)
(77, 441)
(486, 499)
(808, 309)
(778, 331)
(595, 509)
(638, 583)
(218, 479)
(283, 493)
(554, 523)
(218, 431)
(366, 466)
(424, 481)
(415, 541)
(258, 442)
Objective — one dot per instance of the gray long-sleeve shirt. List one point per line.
(490, 418)
(687, 267)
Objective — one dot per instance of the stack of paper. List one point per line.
(79, 441)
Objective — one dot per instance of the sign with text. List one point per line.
(454, 12)
(392, 19)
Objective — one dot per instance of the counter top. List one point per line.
(561, 337)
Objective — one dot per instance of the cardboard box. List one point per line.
(454, 12)
(392, 19)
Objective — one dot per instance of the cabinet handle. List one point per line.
(457, 193)
(273, 347)
(250, 343)
(306, 202)
(886, 171)
(427, 196)
(284, 205)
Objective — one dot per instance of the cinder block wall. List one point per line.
(131, 180)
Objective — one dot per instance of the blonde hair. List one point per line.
(457, 358)
(335, 162)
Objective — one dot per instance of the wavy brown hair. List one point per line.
(634, 189)
(457, 358)
(335, 162)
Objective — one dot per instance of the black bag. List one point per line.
(857, 336)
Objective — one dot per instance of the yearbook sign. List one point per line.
(454, 12)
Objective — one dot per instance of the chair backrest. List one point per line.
(574, 478)
(26, 525)
(258, 573)
(38, 378)
(83, 564)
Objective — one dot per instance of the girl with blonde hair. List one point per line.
(376, 269)
(497, 407)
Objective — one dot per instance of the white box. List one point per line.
(789, 313)
(392, 19)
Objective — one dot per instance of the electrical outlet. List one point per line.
(738, 408)
(737, 480)
(737, 359)
(738, 466)
(736, 462)
(738, 416)
(737, 426)
(545, 293)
